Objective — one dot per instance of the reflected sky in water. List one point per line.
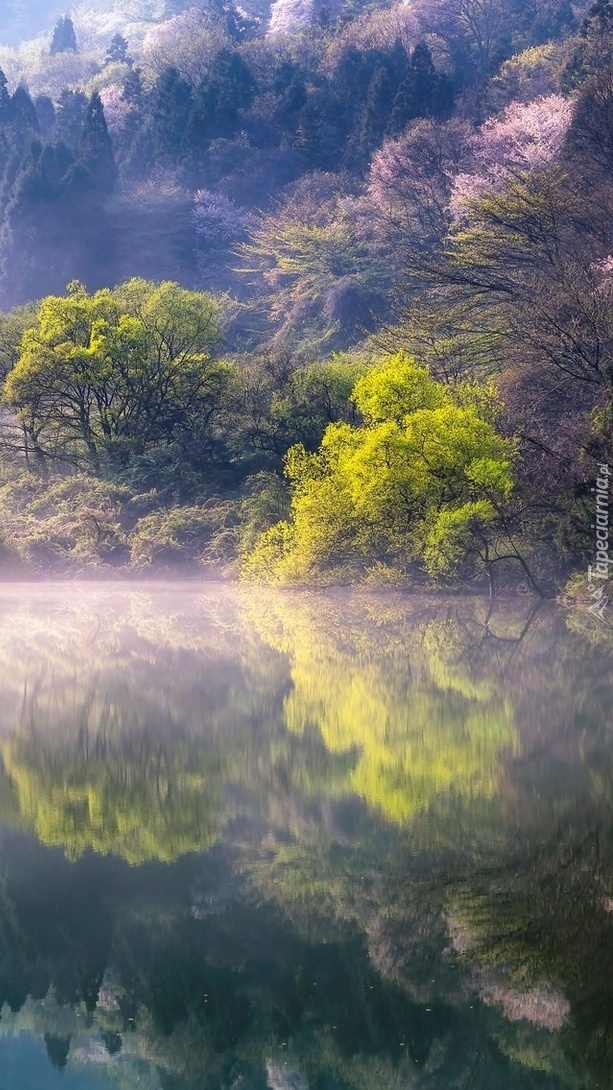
(303, 841)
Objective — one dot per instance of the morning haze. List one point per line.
(306, 434)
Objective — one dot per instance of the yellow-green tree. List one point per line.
(425, 478)
(112, 374)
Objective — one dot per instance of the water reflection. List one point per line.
(303, 841)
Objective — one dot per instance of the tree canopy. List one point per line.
(424, 479)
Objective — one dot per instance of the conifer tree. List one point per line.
(374, 119)
(170, 111)
(133, 88)
(317, 137)
(95, 147)
(57, 1050)
(70, 117)
(227, 88)
(64, 39)
(5, 99)
(133, 126)
(22, 117)
(423, 93)
(117, 52)
(45, 111)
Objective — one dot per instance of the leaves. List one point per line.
(388, 491)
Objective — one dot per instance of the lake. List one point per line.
(259, 840)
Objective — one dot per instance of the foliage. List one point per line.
(159, 811)
(320, 271)
(105, 375)
(525, 139)
(368, 712)
(432, 180)
(64, 38)
(387, 491)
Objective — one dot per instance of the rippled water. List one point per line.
(268, 841)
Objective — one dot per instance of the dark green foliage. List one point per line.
(95, 150)
(318, 139)
(64, 39)
(351, 79)
(133, 89)
(423, 93)
(70, 116)
(375, 116)
(45, 112)
(54, 223)
(170, 109)
(22, 117)
(5, 100)
(117, 50)
(227, 90)
(57, 1050)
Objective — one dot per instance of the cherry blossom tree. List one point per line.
(410, 178)
(524, 139)
(217, 220)
(116, 109)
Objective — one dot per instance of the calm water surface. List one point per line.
(267, 841)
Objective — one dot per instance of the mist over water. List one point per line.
(264, 839)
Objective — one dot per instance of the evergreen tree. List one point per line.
(292, 99)
(64, 39)
(353, 77)
(423, 93)
(350, 82)
(55, 162)
(70, 117)
(133, 124)
(374, 118)
(133, 89)
(227, 89)
(9, 175)
(57, 1050)
(5, 155)
(22, 117)
(234, 86)
(95, 147)
(170, 110)
(318, 139)
(45, 112)
(117, 51)
(5, 99)
(141, 152)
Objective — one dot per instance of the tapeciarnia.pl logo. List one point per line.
(598, 574)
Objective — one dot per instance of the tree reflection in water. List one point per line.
(262, 839)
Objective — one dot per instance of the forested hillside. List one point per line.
(310, 291)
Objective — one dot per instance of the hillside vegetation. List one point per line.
(308, 292)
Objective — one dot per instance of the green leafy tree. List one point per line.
(322, 279)
(112, 374)
(426, 461)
